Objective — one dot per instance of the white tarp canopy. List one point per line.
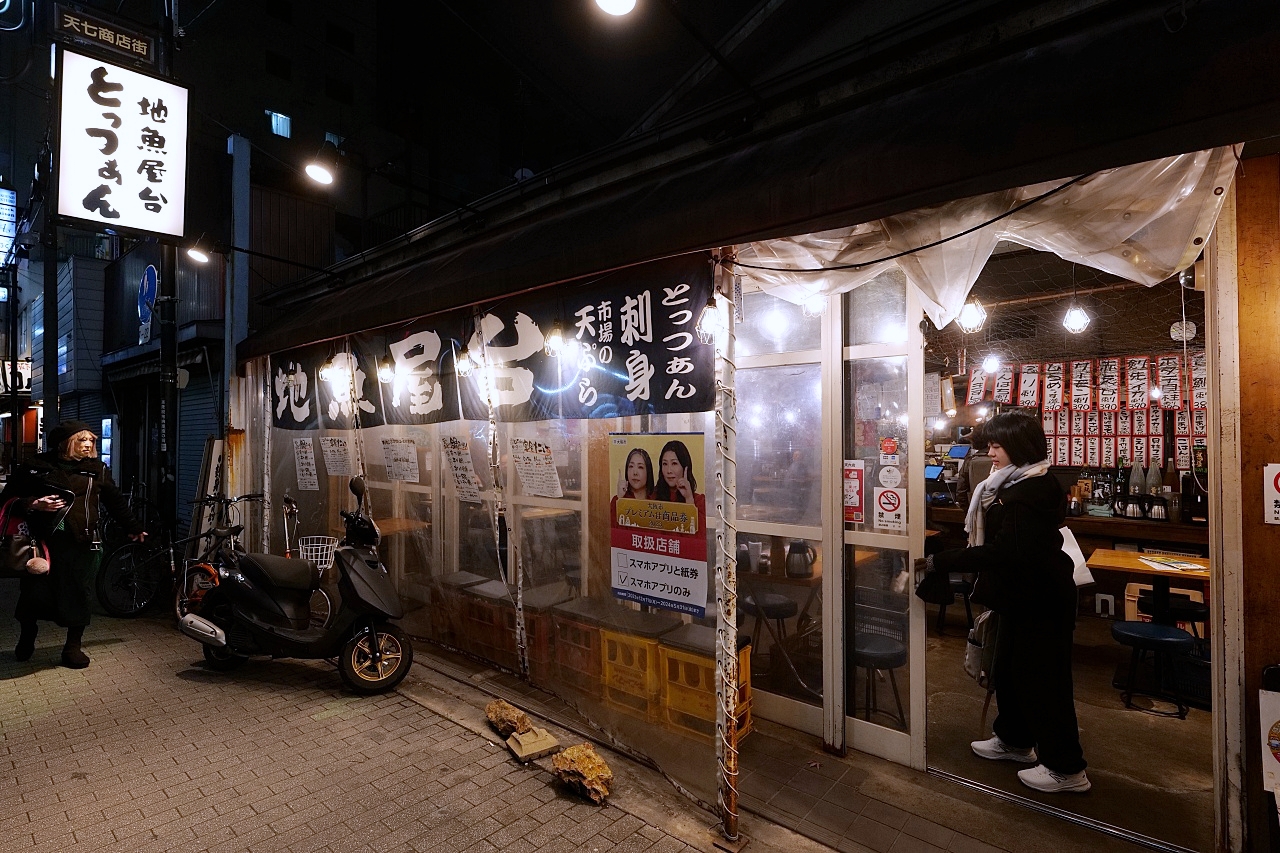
(1143, 223)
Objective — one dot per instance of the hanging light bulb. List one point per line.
(972, 316)
(814, 306)
(991, 364)
(713, 324)
(1076, 320)
(616, 7)
(554, 342)
(386, 374)
(463, 364)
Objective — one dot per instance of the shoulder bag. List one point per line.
(17, 545)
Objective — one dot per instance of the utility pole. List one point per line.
(167, 309)
(49, 359)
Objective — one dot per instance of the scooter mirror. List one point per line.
(357, 489)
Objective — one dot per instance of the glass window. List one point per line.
(876, 450)
(780, 609)
(773, 325)
(281, 124)
(780, 444)
(877, 311)
(878, 678)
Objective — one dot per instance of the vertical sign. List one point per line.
(854, 476)
(1137, 374)
(8, 223)
(1108, 452)
(1081, 386)
(337, 456)
(658, 521)
(1108, 422)
(536, 468)
(1182, 451)
(122, 148)
(304, 460)
(1003, 392)
(977, 386)
(1271, 493)
(1053, 386)
(1050, 420)
(457, 458)
(1093, 451)
(1062, 450)
(1199, 380)
(1109, 384)
(1169, 371)
(1029, 386)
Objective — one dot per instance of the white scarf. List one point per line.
(975, 519)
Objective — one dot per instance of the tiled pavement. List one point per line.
(148, 751)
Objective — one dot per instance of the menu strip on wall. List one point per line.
(1029, 386)
(1108, 452)
(1109, 384)
(1169, 368)
(1081, 386)
(1108, 422)
(1199, 380)
(1053, 386)
(304, 459)
(1003, 392)
(977, 386)
(1137, 374)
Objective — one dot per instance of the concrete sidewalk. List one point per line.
(146, 750)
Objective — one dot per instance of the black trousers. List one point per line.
(1034, 695)
(62, 595)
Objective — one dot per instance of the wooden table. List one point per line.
(1131, 562)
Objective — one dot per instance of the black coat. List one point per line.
(62, 595)
(1023, 572)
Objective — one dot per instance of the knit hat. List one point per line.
(59, 434)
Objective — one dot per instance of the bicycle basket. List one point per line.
(318, 549)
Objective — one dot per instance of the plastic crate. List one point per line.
(482, 628)
(630, 674)
(689, 688)
(446, 600)
(538, 627)
(575, 640)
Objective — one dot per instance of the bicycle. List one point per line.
(135, 575)
(317, 549)
(111, 535)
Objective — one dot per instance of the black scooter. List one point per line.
(260, 606)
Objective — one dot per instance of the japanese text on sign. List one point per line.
(457, 457)
(304, 458)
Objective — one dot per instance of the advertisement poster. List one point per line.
(536, 468)
(457, 458)
(304, 460)
(401, 456)
(337, 456)
(854, 477)
(658, 520)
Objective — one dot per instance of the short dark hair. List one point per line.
(978, 438)
(1021, 436)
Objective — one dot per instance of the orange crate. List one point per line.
(689, 690)
(630, 673)
(446, 601)
(482, 629)
(575, 642)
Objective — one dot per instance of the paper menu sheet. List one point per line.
(401, 456)
(1170, 564)
(304, 459)
(536, 468)
(337, 456)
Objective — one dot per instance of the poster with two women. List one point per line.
(658, 520)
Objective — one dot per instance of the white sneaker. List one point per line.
(1043, 779)
(997, 750)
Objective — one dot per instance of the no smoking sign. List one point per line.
(891, 509)
(1271, 494)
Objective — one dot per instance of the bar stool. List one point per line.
(1164, 641)
(771, 606)
(873, 652)
(1181, 609)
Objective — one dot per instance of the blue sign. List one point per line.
(148, 288)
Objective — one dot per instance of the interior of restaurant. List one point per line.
(1159, 767)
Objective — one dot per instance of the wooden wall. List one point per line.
(1258, 268)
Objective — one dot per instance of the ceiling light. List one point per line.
(991, 364)
(972, 316)
(325, 165)
(1076, 320)
(554, 342)
(814, 306)
(197, 255)
(713, 324)
(616, 7)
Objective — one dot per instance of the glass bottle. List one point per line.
(1155, 481)
(1170, 481)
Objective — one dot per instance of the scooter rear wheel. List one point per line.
(222, 659)
(365, 672)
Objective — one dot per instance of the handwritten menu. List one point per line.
(337, 456)
(1003, 392)
(1109, 384)
(1169, 370)
(1053, 386)
(401, 457)
(457, 456)
(1029, 386)
(1081, 386)
(1137, 371)
(304, 460)
(536, 468)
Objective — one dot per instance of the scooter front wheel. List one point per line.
(377, 662)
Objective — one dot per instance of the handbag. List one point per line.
(1080, 568)
(17, 545)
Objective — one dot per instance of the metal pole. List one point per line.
(727, 574)
(166, 306)
(49, 356)
(236, 305)
(15, 426)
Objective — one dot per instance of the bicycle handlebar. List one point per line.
(214, 500)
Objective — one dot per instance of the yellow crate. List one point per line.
(630, 673)
(689, 691)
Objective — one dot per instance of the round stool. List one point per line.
(1181, 609)
(875, 652)
(772, 606)
(1163, 641)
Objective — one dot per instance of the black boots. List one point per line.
(26, 642)
(72, 656)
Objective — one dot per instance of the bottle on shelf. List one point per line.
(1155, 481)
(1170, 480)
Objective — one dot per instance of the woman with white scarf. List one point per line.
(1024, 576)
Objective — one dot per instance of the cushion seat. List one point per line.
(1152, 637)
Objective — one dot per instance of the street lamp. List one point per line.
(325, 165)
(616, 7)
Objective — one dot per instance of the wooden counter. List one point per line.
(1103, 528)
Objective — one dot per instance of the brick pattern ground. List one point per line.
(146, 750)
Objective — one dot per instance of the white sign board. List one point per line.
(1271, 493)
(536, 468)
(890, 507)
(8, 222)
(457, 457)
(304, 460)
(337, 456)
(1269, 716)
(122, 147)
(401, 456)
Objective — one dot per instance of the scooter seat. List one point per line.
(284, 572)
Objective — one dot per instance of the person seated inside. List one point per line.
(976, 468)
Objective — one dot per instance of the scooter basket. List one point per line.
(318, 549)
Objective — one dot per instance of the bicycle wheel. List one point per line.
(131, 578)
(321, 609)
(187, 597)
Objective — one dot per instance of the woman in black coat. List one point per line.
(60, 492)
(1024, 576)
